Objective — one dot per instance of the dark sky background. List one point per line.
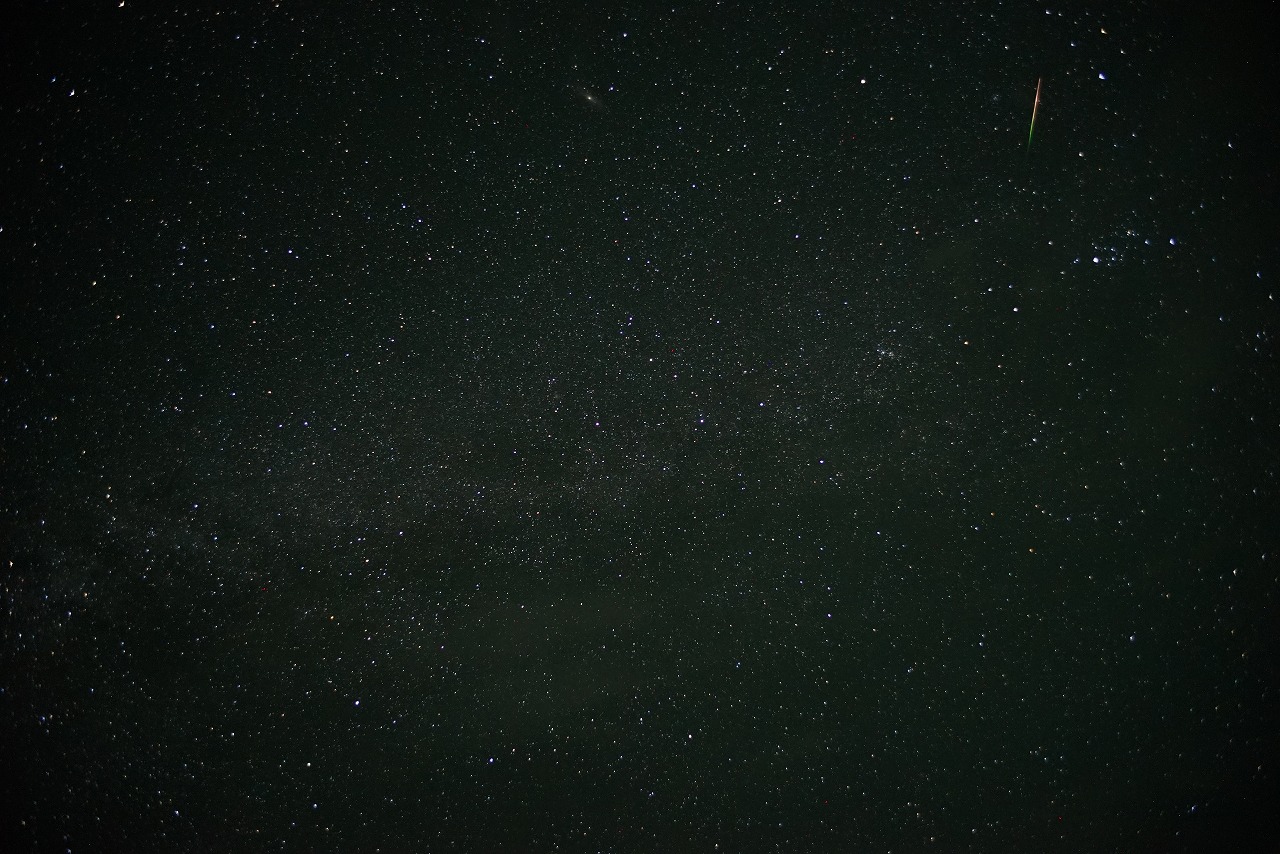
(665, 428)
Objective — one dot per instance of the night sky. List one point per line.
(675, 428)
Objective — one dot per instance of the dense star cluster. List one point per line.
(649, 429)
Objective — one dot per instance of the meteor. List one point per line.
(1035, 108)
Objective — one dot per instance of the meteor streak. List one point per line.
(1035, 108)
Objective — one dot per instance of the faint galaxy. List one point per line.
(639, 428)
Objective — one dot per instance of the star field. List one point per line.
(638, 429)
